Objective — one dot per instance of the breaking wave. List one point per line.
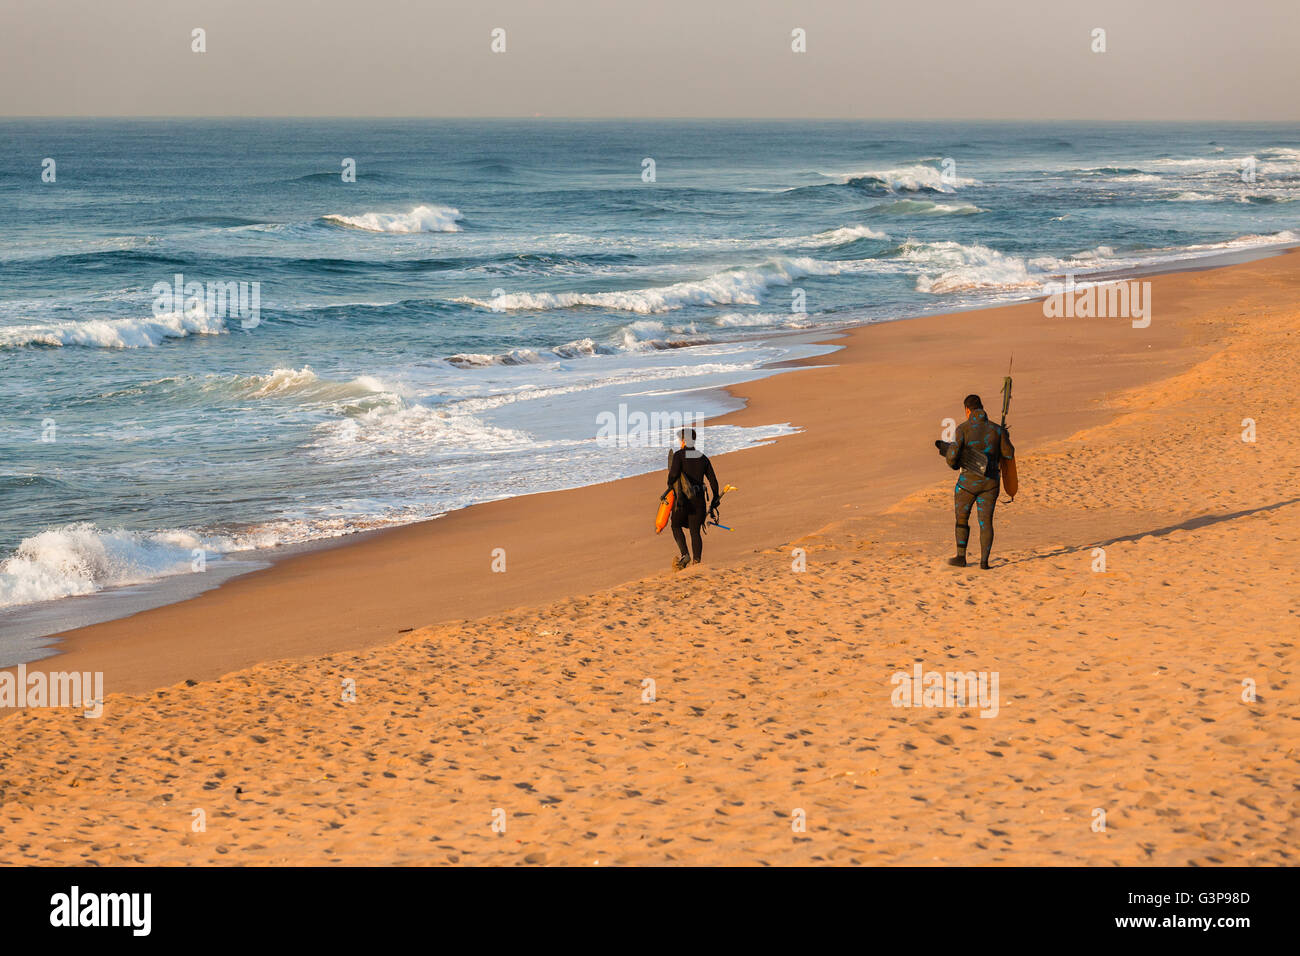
(300, 384)
(419, 219)
(845, 235)
(904, 179)
(740, 286)
(82, 558)
(113, 333)
(580, 348)
(949, 267)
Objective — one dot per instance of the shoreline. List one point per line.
(23, 622)
(1137, 630)
(227, 628)
(166, 591)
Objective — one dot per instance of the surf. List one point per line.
(419, 219)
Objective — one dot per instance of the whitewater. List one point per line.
(448, 328)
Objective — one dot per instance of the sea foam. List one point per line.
(740, 286)
(419, 219)
(905, 179)
(82, 558)
(948, 267)
(113, 333)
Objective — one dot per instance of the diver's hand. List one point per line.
(942, 445)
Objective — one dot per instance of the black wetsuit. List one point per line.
(688, 466)
(973, 488)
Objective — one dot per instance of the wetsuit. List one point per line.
(975, 489)
(686, 465)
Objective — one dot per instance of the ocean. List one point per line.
(455, 325)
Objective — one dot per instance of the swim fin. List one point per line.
(971, 459)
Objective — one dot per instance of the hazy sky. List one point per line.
(995, 59)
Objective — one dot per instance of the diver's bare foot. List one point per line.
(958, 562)
(984, 565)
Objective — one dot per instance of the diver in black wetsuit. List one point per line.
(687, 469)
(974, 488)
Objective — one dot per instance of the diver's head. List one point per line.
(687, 436)
(973, 404)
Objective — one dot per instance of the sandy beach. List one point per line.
(525, 696)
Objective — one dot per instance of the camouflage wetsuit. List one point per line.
(973, 488)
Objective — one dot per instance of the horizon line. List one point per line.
(633, 119)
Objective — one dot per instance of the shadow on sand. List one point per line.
(1191, 524)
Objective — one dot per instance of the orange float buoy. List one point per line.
(665, 511)
(1010, 480)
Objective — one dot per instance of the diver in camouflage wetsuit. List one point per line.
(975, 489)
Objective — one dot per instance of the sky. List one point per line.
(1165, 60)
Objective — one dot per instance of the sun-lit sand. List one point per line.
(1124, 692)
